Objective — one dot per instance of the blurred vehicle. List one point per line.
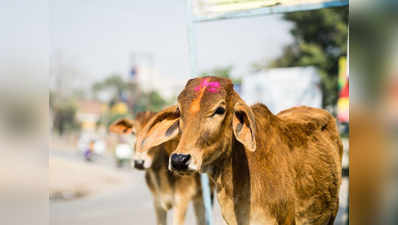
(123, 154)
(89, 151)
(83, 142)
(90, 146)
(99, 147)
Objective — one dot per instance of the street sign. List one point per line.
(210, 10)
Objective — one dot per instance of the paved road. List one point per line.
(128, 205)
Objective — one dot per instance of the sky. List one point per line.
(100, 36)
(97, 37)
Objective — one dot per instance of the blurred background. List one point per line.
(70, 68)
(113, 60)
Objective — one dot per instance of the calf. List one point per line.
(168, 189)
(268, 169)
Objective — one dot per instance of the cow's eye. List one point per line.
(219, 111)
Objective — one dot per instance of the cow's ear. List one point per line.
(163, 127)
(123, 126)
(244, 125)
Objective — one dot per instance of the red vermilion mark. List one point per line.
(212, 87)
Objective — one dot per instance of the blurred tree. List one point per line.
(79, 93)
(224, 71)
(114, 82)
(320, 40)
(137, 100)
(64, 116)
(152, 101)
(156, 101)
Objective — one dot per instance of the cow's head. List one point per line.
(135, 127)
(208, 116)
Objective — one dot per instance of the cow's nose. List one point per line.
(139, 164)
(180, 161)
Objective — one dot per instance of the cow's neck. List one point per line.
(232, 178)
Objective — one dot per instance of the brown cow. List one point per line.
(268, 169)
(168, 189)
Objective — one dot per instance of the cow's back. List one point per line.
(309, 121)
(316, 147)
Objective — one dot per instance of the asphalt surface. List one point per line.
(128, 205)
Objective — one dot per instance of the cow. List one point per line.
(269, 169)
(168, 189)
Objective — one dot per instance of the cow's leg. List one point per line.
(161, 214)
(199, 208)
(181, 205)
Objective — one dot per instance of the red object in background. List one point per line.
(343, 104)
(345, 92)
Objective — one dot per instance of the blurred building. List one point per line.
(88, 113)
(142, 69)
(282, 88)
(145, 74)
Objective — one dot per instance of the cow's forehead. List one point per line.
(202, 93)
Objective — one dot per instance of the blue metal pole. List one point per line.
(206, 198)
(194, 70)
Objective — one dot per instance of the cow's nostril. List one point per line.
(174, 158)
(139, 164)
(185, 158)
(180, 161)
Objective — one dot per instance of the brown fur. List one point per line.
(268, 169)
(168, 189)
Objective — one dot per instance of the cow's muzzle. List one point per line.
(180, 162)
